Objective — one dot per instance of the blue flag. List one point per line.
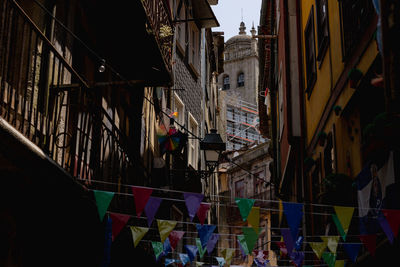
(191, 251)
(294, 214)
(352, 250)
(205, 232)
(184, 258)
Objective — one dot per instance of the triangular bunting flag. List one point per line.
(205, 232)
(393, 218)
(192, 201)
(118, 223)
(165, 227)
(339, 226)
(169, 261)
(294, 214)
(332, 242)
(287, 238)
(103, 199)
(227, 253)
(297, 257)
(352, 250)
(370, 242)
(212, 242)
(386, 228)
(339, 263)
(157, 248)
(151, 209)
(199, 263)
(201, 250)
(221, 261)
(174, 238)
(184, 258)
(202, 212)
(244, 206)
(344, 214)
(141, 195)
(260, 263)
(254, 218)
(250, 236)
(282, 246)
(167, 247)
(298, 243)
(329, 258)
(138, 233)
(243, 245)
(318, 247)
(191, 251)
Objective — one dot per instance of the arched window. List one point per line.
(226, 82)
(240, 80)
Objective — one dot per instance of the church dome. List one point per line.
(242, 37)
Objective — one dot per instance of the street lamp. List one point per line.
(213, 146)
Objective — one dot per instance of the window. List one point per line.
(240, 80)
(322, 27)
(179, 107)
(193, 142)
(194, 48)
(226, 82)
(356, 16)
(239, 188)
(181, 30)
(311, 71)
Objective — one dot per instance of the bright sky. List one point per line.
(229, 15)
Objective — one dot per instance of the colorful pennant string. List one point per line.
(118, 223)
(174, 238)
(165, 227)
(103, 200)
(192, 201)
(151, 209)
(244, 206)
(141, 195)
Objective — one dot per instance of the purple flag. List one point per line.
(294, 213)
(193, 201)
(242, 250)
(297, 258)
(261, 263)
(386, 228)
(151, 208)
(287, 237)
(211, 243)
(205, 232)
(191, 251)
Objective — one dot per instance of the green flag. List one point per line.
(329, 258)
(243, 243)
(244, 206)
(339, 226)
(201, 249)
(158, 248)
(103, 199)
(250, 236)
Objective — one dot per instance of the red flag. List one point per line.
(174, 238)
(369, 242)
(282, 247)
(141, 195)
(393, 218)
(202, 212)
(118, 223)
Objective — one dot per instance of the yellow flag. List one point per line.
(318, 247)
(332, 242)
(344, 215)
(339, 263)
(254, 218)
(165, 227)
(227, 253)
(138, 233)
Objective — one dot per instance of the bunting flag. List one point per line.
(192, 201)
(103, 199)
(393, 218)
(158, 249)
(261, 255)
(282, 247)
(329, 258)
(202, 212)
(261, 263)
(174, 238)
(339, 263)
(141, 195)
(184, 258)
(344, 215)
(251, 237)
(165, 227)
(199, 263)
(243, 245)
(151, 209)
(200, 249)
(244, 206)
(294, 214)
(370, 242)
(297, 257)
(221, 261)
(211, 243)
(227, 253)
(191, 251)
(169, 261)
(205, 232)
(254, 218)
(287, 238)
(386, 228)
(242, 249)
(118, 223)
(339, 226)
(332, 242)
(352, 250)
(138, 233)
(318, 247)
(299, 243)
(166, 247)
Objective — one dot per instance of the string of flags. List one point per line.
(291, 245)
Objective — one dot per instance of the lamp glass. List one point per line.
(211, 155)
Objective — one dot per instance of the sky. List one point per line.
(229, 15)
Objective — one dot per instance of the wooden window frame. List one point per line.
(322, 28)
(309, 36)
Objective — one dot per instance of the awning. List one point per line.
(204, 14)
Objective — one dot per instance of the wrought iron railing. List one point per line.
(161, 27)
(45, 99)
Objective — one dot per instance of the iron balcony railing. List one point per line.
(46, 100)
